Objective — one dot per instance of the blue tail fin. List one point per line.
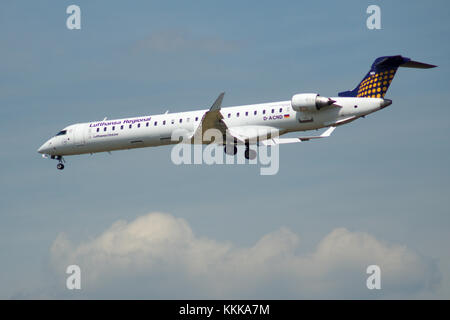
(376, 82)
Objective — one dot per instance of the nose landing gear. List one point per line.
(61, 162)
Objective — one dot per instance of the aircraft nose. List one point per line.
(44, 148)
(41, 149)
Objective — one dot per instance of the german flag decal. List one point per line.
(287, 116)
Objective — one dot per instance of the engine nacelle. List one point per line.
(310, 102)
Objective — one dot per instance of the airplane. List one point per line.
(256, 124)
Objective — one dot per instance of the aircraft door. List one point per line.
(79, 135)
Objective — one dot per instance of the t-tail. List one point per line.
(376, 82)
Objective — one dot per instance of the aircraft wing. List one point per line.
(212, 119)
(253, 133)
(341, 122)
(274, 141)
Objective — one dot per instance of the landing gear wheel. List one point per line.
(230, 150)
(250, 154)
(60, 166)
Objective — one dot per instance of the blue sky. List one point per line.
(380, 185)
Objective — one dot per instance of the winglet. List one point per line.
(216, 105)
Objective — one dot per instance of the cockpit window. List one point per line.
(61, 133)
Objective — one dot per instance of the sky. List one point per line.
(140, 227)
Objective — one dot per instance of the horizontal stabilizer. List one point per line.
(417, 65)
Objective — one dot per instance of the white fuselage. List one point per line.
(156, 130)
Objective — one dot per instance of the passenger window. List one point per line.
(237, 114)
(164, 122)
(98, 129)
(139, 125)
(281, 109)
(104, 129)
(229, 115)
(146, 124)
(273, 110)
(130, 126)
(113, 128)
(196, 118)
(255, 112)
(181, 120)
(156, 123)
(121, 127)
(246, 113)
(264, 111)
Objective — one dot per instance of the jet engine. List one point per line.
(310, 102)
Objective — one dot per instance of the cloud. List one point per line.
(159, 256)
(174, 41)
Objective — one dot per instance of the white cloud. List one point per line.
(159, 256)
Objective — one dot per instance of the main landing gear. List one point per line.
(249, 154)
(61, 161)
(231, 150)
